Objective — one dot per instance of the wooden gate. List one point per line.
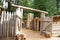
(47, 25)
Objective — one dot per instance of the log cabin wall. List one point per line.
(56, 26)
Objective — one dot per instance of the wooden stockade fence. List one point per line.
(10, 24)
(7, 24)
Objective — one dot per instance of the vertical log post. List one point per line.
(19, 13)
(19, 21)
(38, 24)
(29, 19)
(42, 25)
(1, 24)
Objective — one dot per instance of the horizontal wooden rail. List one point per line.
(27, 8)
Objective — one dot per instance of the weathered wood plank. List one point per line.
(27, 8)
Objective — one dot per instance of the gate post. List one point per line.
(42, 18)
(19, 14)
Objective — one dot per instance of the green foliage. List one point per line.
(39, 4)
(51, 7)
(10, 8)
(0, 3)
(46, 5)
(23, 2)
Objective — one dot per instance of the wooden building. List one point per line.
(56, 26)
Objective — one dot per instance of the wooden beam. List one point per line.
(27, 8)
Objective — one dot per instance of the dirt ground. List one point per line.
(33, 35)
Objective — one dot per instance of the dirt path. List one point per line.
(33, 35)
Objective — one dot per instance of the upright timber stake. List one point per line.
(19, 34)
(42, 17)
(19, 13)
(29, 19)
